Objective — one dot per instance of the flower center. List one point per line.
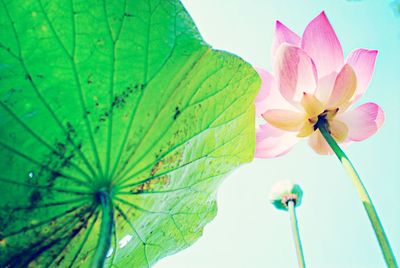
(324, 117)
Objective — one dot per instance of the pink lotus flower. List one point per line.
(312, 83)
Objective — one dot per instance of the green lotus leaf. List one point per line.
(117, 124)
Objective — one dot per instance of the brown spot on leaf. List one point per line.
(60, 260)
(35, 197)
(156, 167)
(61, 148)
(151, 185)
(177, 112)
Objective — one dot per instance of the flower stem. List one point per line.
(363, 194)
(296, 235)
(106, 228)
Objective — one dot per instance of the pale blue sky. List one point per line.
(248, 232)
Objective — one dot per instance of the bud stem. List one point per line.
(296, 234)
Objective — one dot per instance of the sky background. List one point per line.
(248, 231)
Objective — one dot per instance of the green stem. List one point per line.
(363, 194)
(296, 234)
(106, 228)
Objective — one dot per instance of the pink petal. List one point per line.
(284, 35)
(363, 121)
(295, 73)
(275, 100)
(273, 142)
(318, 143)
(267, 81)
(339, 130)
(344, 88)
(363, 63)
(321, 43)
(325, 87)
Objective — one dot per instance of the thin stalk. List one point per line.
(106, 229)
(364, 196)
(296, 234)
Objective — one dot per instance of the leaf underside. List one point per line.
(116, 96)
